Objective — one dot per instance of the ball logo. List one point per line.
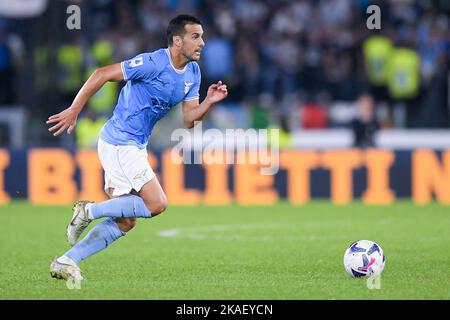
(367, 263)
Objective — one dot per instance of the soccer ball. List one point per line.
(364, 258)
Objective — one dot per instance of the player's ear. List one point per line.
(177, 41)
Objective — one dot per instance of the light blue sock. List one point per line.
(129, 206)
(100, 236)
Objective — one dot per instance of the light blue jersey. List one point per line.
(153, 87)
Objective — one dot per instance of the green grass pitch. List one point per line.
(234, 252)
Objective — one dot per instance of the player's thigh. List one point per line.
(153, 196)
(127, 171)
(117, 183)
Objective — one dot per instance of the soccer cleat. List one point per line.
(80, 221)
(65, 268)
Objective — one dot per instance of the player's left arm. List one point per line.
(195, 111)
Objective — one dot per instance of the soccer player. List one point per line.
(155, 83)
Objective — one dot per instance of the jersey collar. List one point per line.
(170, 60)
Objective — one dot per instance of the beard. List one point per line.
(191, 55)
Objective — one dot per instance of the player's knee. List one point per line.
(158, 206)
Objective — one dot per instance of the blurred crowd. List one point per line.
(295, 64)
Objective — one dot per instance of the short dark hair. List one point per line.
(176, 26)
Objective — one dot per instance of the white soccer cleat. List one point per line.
(80, 221)
(65, 268)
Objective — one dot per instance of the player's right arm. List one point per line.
(67, 119)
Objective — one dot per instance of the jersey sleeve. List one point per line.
(193, 93)
(141, 67)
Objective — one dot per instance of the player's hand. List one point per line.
(67, 119)
(217, 92)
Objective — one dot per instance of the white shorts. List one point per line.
(126, 167)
